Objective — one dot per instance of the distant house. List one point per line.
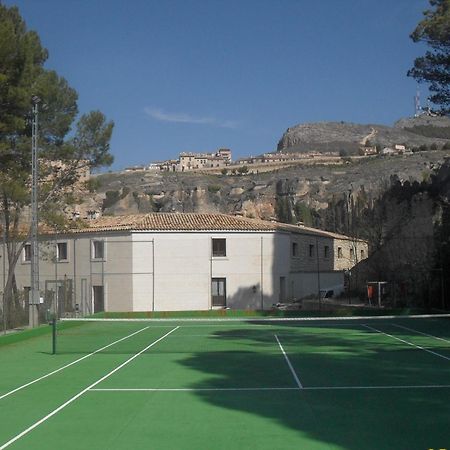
(134, 169)
(387, 151)
(174, 261)
(399, 149)
(194, 161)
(171, 165)
(368, 151)
(154, 166)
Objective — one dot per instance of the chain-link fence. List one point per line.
(74, 276)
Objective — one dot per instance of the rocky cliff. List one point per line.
(291, 194)
(338, 136)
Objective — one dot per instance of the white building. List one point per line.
(194, 161)
(174, 261)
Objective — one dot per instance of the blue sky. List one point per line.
(197, 75)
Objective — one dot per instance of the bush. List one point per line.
(214, 188)
(303, 213)
(112, 197)
(93, 184)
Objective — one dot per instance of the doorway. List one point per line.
(282, 289)
(99, 298)
(219, 292)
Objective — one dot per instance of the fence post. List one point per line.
(53, 325)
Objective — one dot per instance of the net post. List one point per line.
(53, 325)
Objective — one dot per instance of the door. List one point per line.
(99, 300)
(282, 289)
(85, 306)
(219, 292)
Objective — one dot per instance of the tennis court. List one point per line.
(369, 383)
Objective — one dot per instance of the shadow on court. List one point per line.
(329, 358)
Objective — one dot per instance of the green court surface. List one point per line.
(374, 383)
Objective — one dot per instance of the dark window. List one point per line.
(326, 251)
(219, 247)
(61, 251)
(362, 254)
(27, 252)
(294, 249)
(311, 249)
(98, 249)
(339, 252)
(351, 253)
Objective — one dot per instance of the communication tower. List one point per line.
(417, 107)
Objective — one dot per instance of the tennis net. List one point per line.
(129, 335)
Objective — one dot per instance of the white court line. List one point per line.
(420, 332)
(68, 402)
(406, 342)
(330, 388)
(192, 389)
(310, 388)
(70, 364)
(288, 363)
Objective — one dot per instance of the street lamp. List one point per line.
(34, 298)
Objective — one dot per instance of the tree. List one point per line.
(61, 159)
(434, 66)
(242, 170)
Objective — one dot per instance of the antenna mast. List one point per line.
(417, 107)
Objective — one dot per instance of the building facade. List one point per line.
(174, 261)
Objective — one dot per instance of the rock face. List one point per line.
(288, 194)
(424, 120)
(337, 136)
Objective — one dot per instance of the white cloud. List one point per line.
(159, 114)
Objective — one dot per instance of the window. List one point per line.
(326, 251)
(352, 253)
(61, 251)
(27, 252)
(311, 249)
(98, 249)
(339, 252)
(362, 254)
(294, 249)
(219, 247)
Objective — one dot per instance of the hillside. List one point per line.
(255, 195)
(337, 136)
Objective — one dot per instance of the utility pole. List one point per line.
(318, 275)
(4, 279)
(35, 293)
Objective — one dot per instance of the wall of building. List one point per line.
(81, 272)
(167, 271)
(308, 284)
(185, 265)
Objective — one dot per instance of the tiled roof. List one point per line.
(176, 222)
(313, 231)
(183, 222)
(193, 222)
